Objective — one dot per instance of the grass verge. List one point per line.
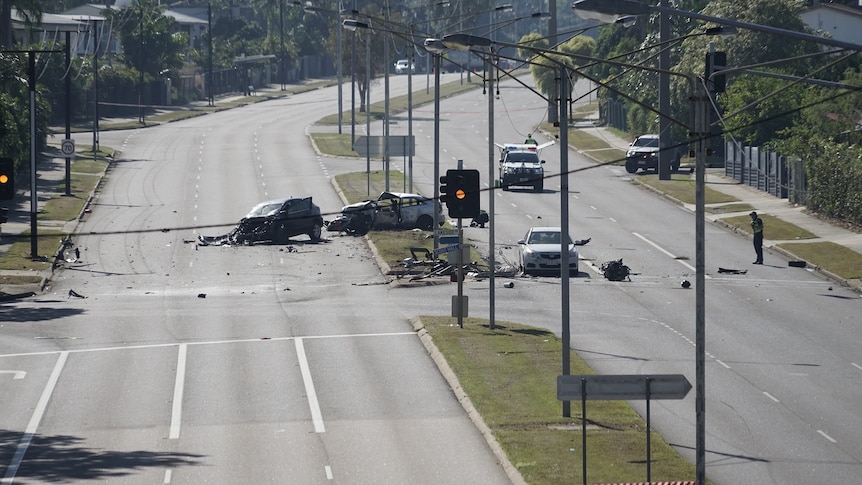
(340, 145)
(18, 257)
(510, 375)
(837, 259)
(773, 228)
(681, 187)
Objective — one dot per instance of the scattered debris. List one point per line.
(75, 294)
(797, 264)
(202, 295)
(686, 284)
(616, 270)
(732, 271)
(510, 284)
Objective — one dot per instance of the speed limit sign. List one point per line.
(67, 147)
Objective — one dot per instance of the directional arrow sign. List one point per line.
(622, 387)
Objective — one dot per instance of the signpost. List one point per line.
(622, 387)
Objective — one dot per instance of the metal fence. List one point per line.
(766, 171)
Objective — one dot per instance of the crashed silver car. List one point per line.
(391, 210)
(274, 221)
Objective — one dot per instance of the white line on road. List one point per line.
(328, 470)
(821, 433)
(854, 364)
(668, 253)
(177, 407)
(211, 342)
(167, 477)
(770, 396)
(35, 419)
(314, 406)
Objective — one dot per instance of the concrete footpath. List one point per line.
(52, 170)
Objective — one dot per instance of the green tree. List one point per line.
(149, 44)
(30, 10)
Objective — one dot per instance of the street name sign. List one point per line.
(446, 249)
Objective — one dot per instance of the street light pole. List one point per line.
(281, 66)
(664, 156)
(339, 40)
(210, 54)
(491, 178)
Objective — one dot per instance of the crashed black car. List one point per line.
(274, 221)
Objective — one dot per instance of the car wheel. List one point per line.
(281, 235)
(539, 187)
(315, 231)
(426, 223)
(631, 166)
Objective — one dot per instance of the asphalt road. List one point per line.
(783, 367)
(260, 364)
(783, 370)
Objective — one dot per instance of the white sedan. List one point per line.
(540, 252)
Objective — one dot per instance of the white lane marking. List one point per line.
(314, 406)
(821, 433)
(668, 253)
(854, 364)
(328, 470)
(723, 364)
(177, 407)
(35, 419)
(770, 396)
(612, 219)
(167, 477)
(17, 374)
(210, 342)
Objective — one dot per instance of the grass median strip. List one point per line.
(510, 375)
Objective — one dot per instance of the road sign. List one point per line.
(622, 387)
(374, 146)
(449, 240)
(446, 232)
(67, 147)
(446, 249)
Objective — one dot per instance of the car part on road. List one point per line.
(616, 271)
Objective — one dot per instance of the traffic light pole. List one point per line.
(460, 274)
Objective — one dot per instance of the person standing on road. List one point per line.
(757, 229)
(530, 140)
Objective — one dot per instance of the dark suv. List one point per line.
(274, 221)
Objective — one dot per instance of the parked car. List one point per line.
(403, 65)
(540, 252)
(274, 221)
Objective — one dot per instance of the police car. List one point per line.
(520, 166)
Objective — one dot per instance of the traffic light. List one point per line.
(7, 179)
(445, 188)
(715, 62)
(460, 193)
